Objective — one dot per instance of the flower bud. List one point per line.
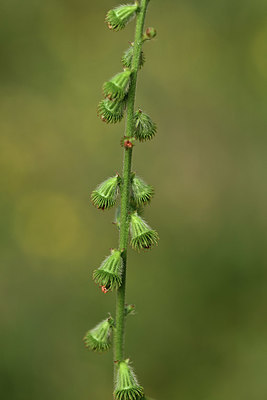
(145, 129)
(111, 111)
(105, 195)
(127, 58)
(141, 192)
(129, 309)
(143, 237)
(126, 385)
(150, 33)
(99, 338)
(127, 142)
(118, 86)
(108, 275)
(119, 17)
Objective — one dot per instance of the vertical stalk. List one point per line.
(127, 162)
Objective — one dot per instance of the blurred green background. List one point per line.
(201, 295)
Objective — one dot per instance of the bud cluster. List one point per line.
(111, 109)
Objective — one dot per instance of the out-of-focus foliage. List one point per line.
(201, 295)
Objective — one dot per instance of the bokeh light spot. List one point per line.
(48, 225)
(258, 50)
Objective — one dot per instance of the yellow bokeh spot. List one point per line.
(48, 225)
(16, 162)
(259, 51)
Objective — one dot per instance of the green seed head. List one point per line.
(108, 275)
(141, 192)
(118, 86)
(105, 195)
(127, 58)
(99, 338)
(145, 128)
(127, 386)
(120, 16)
(143, 237)
(111, 111)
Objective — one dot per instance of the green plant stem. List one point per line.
(124, 218)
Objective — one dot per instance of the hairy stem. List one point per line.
(124, 218)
